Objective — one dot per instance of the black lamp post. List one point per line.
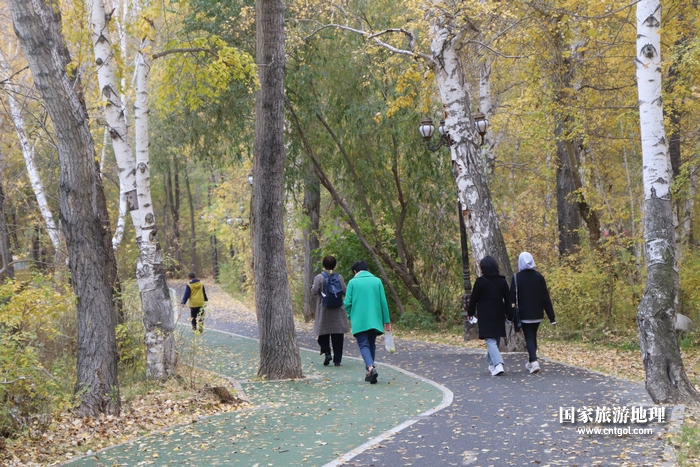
(426, 130)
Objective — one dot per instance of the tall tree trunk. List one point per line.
(82, 203)
(6, 267)
(572, 207)
(477, 208)
(279, 352)
(486, 108)
(38, 256)
(121, 220)
(568, 216)
(666, 380)
(689, 205)
(134, 181)
(172, 194)
(311, 208)
(158, 314)
(195, 264)
(213, 241)
(474, 195)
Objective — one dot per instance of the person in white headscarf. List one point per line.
(533, 301)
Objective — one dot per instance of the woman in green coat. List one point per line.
(368, 311)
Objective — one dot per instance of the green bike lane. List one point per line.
(309, 422)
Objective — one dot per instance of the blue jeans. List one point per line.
(366, 341)
(493, 355)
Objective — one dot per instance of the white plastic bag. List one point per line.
(389, 342)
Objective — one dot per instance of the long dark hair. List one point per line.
(489, 266)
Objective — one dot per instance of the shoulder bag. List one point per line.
(517, 323)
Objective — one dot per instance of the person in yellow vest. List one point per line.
(195, 293)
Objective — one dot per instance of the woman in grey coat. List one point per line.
(330, 324)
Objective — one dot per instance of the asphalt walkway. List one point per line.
(434, 405)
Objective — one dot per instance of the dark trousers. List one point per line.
(530, 331)
(325, 341)
(194, 314)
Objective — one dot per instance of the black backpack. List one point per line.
(332, 294)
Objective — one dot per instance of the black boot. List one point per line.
(327, 360)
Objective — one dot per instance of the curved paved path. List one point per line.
(513, 419)
(333, 418)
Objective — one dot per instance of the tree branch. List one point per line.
(325, 181)
(13, 381)
(375, 37)
(184, 51)
(355, 177)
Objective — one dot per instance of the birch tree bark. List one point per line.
(478, 212)
(158, 317)
(28, 153)
(486, 108)
(666, 380)
(477, 208)
(279, 352)
(134, 181)
(84, 218)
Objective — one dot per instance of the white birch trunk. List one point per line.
(134, 178)
(479, 215)
(478, 212)
(159, 321)
(486, 108)
(28, 153)
(666, 380)
(121, 220)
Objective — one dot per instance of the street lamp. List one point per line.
(426, 130)
(482, 125)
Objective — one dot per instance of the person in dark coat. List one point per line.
(490, 299)
(533, 301)
(330, 324)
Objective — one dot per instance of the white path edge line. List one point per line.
(447, 398)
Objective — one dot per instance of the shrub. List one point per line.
(593, 289)
(36, 325)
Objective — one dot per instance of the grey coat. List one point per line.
(328, 320)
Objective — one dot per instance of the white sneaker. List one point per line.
(528, 365)
(534, 367)
(497, 370)
(491, 367)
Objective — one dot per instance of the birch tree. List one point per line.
(666, 380)
(134, 181)
(279, 352)
(448, 35)
(13, 92)
(85, 222)
(150, 272)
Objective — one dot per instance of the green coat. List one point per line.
(365, 303)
